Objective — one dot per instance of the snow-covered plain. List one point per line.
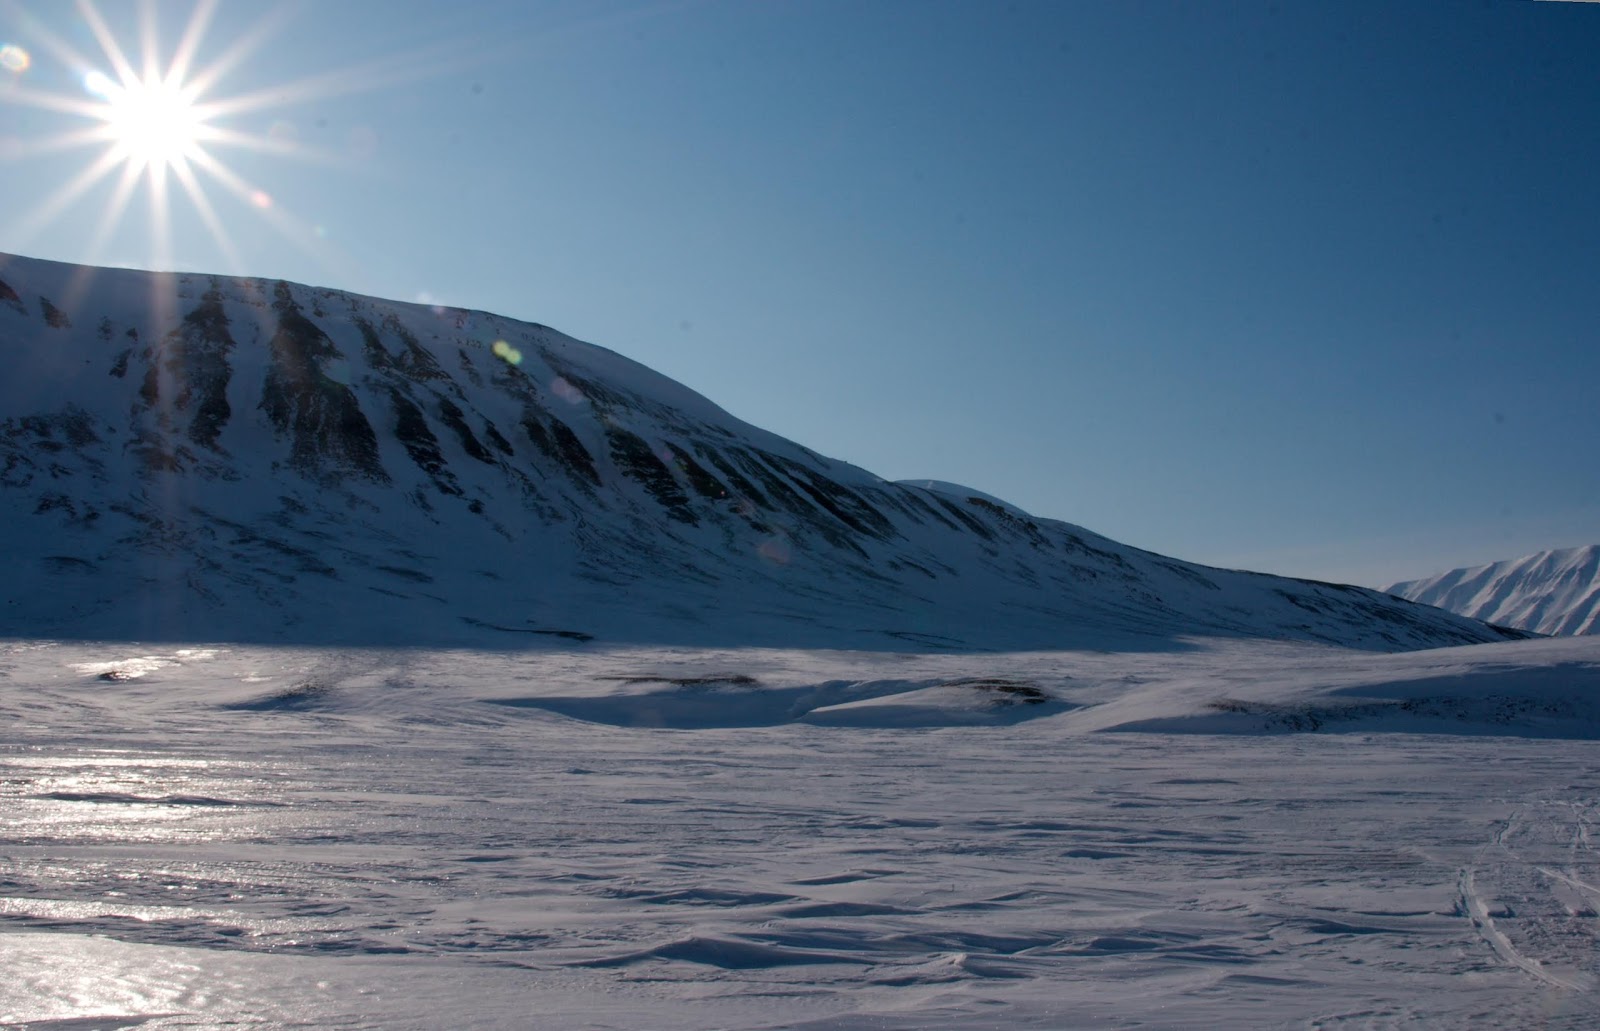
(1218, 834)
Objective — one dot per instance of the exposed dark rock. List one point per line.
(573, 454)
(378, 359)
(415, 361)
(1026, 527)
(54, 317)
(414, 575)
(569, 635)
(73, 512)
(9, 298)
(189, 372)
(780, 493)
(562, 446)
(841, 502)
(915, 500)
(72, 426)
(457, 422)
(411, 429)
(468, 368)
(639, 462)
(1006, 691)
(702, 482)
(497, 439)
(747, 491)
(329, 434)
(970, 523)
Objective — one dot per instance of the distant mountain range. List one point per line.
(195, 457)
(1552, 592)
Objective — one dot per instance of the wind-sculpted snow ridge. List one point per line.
(193, 457)
(1551, 592)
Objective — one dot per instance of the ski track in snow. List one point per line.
(293, 838)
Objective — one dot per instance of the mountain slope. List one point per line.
(1551, 592)
(199, 457)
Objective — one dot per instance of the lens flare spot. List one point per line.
(14, 59)
(261, 199)
(507, 353)
(775, 550)
(566, 391)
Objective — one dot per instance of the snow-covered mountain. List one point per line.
(196, 457)
(1551, 592)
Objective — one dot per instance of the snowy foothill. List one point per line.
(191, 457)
(1217, 833)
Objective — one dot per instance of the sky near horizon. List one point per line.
(1306, 288)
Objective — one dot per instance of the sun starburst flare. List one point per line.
(162, 124)
(150, 121)
(155, 125)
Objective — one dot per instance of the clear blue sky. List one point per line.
(1306, 288)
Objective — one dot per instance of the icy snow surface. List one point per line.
(1224, 834)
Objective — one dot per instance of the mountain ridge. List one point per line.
(185, 456)
(1549, 592)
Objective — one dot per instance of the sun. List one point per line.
(165, 124)
(151, 122)
(161, 126)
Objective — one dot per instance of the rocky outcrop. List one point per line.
(328, 433)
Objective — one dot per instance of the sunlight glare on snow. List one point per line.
(125, 669)
(137, 666)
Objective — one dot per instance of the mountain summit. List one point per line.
(1551, 592)
(193, 457)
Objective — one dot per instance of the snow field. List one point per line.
(298, 838)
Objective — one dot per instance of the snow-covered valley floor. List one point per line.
(1225, 835)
